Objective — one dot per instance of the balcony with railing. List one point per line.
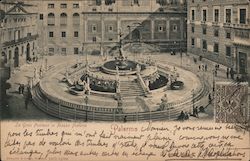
(242, 37)
(241, 26)
(227, 24)
(173, 7)
(21, 40)
(203, 22)
(215, 23)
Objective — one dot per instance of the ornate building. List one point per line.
(220, 31)
(18, 34)
(67, 27)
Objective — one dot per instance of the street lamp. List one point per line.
(213, 79)
(86, 99)
(181, 56)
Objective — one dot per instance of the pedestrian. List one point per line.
(125, 119)
(231, 73)
(195, 60)
(215, 72)
(28, 97)
(196, 112)
(20, 89)
(199, 67)
(205, 67)
(209, 98)
(181, 116)
(41, 72)
(227, 73)
(186, 117)
(237, 78)
(200, 58)
(202, 109)
(26, 103)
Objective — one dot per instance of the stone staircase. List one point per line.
(138, 47)
(131, 89)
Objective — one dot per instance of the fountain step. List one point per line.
(131, 92)
(130, 88)
(133, 89)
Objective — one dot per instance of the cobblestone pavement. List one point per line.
(15, 109)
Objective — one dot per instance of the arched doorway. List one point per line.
(16, 57)
(136, 36)
(28, 52)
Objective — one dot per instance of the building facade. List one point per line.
(68, 27)
(220, 31)
(18, 34)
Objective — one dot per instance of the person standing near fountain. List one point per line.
(164, 101)
(117, 81)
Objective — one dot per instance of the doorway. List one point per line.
(136, 36)
(242, 63)
(3, 59)
(16, 57)
(28, 52)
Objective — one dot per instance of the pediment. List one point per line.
(17, 9)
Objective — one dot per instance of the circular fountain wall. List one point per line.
(126, 67)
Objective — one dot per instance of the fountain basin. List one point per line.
(76, 91)
(126, 67)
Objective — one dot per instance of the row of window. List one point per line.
(216, 15)
(63, 34)
(110, 2)
(110, 29)
(63, 19)
(64, 50)
(215, 47)
(216, 32)
(168, 2)
(62, 15)
(63, 5)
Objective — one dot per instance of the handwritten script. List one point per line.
(122, 141)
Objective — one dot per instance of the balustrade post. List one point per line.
(114, 115)
(47, 104)
(86, 117)
(193, 101)
(59, 106)
(75, 113)
(169, 113)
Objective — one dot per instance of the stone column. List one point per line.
(30, 82)
(103, 34)
(85, 28)
(118, 28)
(46, 64)
(181, 28)
(236, 59)
(152, 29)
(167, 29)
